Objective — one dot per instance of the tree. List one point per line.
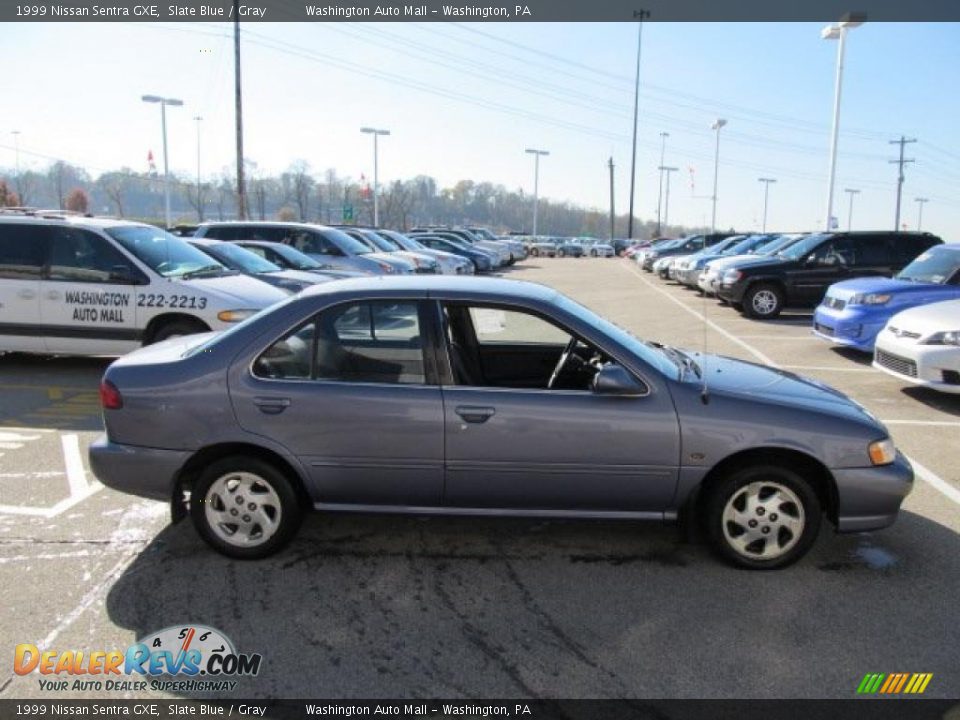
(8, 198)
(298, 186)
(78, 200)
(197, 197)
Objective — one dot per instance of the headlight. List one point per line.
(882, 452)
(948, 337)
(731, 276)
(386, 267)
(235, 315)
(869, 299)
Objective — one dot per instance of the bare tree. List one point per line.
(298, 184)
(197, 197)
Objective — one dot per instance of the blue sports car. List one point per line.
(854, 311)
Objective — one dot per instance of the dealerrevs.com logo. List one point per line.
(180, 658)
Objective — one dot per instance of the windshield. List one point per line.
(777, 244)
(802, 247)
(718, 248)
(240, 259)
(644, 350)
(745, 244)
(349, 245)
(936, 265)
(296, 258)
(162, 252)
(407, 243)
(378, 242)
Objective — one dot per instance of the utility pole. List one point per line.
(766, 196)
(666, 204)
(198, 120)
(920, 203)
(641, 14)
(663, 151)
(536, 182)
(717, 126)
(238, 93)
(902, 142)
(16, 150)
(612, 211)
(851, 192)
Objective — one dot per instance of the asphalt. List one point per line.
(369, 606)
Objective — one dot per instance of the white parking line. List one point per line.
(828, 368)
(76, 474)
(929, 423)
(774, 337)
(923, 473)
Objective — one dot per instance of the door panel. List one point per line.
(518, 365)
(565, 450)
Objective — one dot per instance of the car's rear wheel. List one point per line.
(763, 301)
(763, 517)
(534, 252)
(245, 508)
(176, 328)
(561, 253)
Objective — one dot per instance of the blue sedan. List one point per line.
(853, 312)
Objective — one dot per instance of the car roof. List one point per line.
(480, 287)
(78, 220)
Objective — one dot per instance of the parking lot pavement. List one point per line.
(363, 606)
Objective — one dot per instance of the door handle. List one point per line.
(472, 414)
(271, 405)
(26, 294)
(53, 295)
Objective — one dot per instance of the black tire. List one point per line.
(290, 508)
(791, 545)
(763, 301)
(175, 328)
(534, 252)
(561, 253)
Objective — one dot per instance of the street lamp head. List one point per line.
(173, 102)
(152, 98)
(374, 131)
(533, 151)
(719, 123)
(198, 118)
(830, 32)
(853, 19)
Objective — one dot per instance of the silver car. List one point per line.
(439, 394)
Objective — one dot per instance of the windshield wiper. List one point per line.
(205, 271)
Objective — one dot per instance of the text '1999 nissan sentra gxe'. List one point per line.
(462, 395)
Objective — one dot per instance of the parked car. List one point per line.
(800, 275)
(439, 394)
(687, 270)
(289, 258)
(250, 263)
(543, 248)
(378, 243)
(682, 246)
(853, 312)
(518, 251)
(450, 263)
(568, 248)
(73, 285)
(921, 346)
(499, 251)
(709, 279)
(482, 261)
(324, 244)
(601, 249)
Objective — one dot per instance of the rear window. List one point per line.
(22, 250)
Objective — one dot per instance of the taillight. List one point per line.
(110, 397)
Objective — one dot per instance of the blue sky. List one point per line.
(464, 100)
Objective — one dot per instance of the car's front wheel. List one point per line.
(245, 508)
(763, 301)
(763, 517)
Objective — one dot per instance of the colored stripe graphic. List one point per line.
(894, 683)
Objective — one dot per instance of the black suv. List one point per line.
(687, 246)
(800, 274)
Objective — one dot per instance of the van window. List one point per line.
(81, 256)
(22, 250)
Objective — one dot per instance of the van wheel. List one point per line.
(763, 301)
(762, 517)
(176, 328)
(534, 252)
(245, 508)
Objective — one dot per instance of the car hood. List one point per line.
(166, 351)
(726, 261)
(390, 259)
(238, 291)
(759, 382)
(300, 276)
(848, 288)
(927, 319)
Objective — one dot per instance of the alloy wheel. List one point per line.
(242, 509)
(763, 520)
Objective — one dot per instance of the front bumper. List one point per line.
(143, 471)
(869, 498)
(731, 293)
(934, 366)
(848, 327)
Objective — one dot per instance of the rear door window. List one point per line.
(22, 251)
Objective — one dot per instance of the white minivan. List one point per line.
(95, 286)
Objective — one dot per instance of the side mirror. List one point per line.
(613, 379)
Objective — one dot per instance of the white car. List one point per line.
(922, 346)
(76, 285)
(600, 249)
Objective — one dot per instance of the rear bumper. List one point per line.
(870, 498)
(147, 472)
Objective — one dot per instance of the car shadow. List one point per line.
(944, 402)
(391, 606)
(857, 356)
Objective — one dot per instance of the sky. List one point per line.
(463, 101)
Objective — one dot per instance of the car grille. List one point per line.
(903, 333)
(835, 303)
(897, 364)
(824, 329)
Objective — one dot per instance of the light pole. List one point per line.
(376, 132)
(173, 102)
(198, 119)
(640, 14)
(663, 152)
(536, 182)
(16, 150)
(851, 192)
(837, 32)
(666, 204)
(717, 125)
(920, 203)
(766, 196)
